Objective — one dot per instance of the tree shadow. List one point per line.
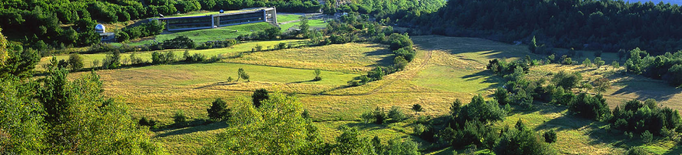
(387, 60)
(488, 77)
(192, 129)
(304, 81)
(644, 89)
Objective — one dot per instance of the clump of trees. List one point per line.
(639, 117)
(667, 67)
(151, 28)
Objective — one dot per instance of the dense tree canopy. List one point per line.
(599, 25)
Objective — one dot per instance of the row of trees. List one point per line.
(592, 25)
(667, 66)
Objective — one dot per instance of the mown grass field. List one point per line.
(445, 69)
(314, 24)
(281, 18)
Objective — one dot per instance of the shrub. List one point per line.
(218, 110)
(566, 80)
(550, 136)
(379, 116)
(502, 96)
(590, 107)
(396, 114)
(75, 62)
(417, 108)
(317, 73)
(179, 118)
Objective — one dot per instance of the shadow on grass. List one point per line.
(192, 129)
(488, 77)
(658, 90)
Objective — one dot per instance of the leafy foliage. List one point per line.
(277, 127)
(218, 110)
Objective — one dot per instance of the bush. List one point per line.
(179, 118)
(417, 108)
(590, 107)
(75, 62)
(396, 114)
(566, 80)
(218, 110)
(317, 73)
(550, 136)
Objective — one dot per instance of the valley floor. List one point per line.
(445, 69)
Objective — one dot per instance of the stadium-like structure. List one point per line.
(219, 20)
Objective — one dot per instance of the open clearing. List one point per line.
(445, 69)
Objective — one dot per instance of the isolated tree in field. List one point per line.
(180, 118)
(587, 62)
(218, 110)
(75, 62)
(317, 73)
(258, 96)
(304, 25)
(533, 45)
(396, 114)
(615, 65)
(566, 80)
(598, 62)
(242, 74)
(601, 84)
(417, 108)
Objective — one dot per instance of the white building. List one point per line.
(100, 28)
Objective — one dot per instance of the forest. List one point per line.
(593, 25)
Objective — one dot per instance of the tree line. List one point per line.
(593, 25)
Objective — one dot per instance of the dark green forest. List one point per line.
(581, 24)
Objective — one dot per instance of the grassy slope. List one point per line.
(445, 69)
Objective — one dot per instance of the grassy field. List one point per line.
(351, 57)
(281, 18)
(445, 69)
(146, 56)
(314, 24)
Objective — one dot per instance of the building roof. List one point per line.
(99, 27)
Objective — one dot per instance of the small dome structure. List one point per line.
(99, 28)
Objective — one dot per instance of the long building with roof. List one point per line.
(219, 20)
